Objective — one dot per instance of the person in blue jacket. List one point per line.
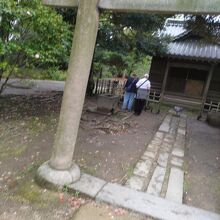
(130, 92)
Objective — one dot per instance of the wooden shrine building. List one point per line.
(189, 73)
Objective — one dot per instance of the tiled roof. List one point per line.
(195, 50)
(173, 28)
(183, 46)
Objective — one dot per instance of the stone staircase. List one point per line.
(160, 170)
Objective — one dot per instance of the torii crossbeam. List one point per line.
(60, 169)
(159, 6)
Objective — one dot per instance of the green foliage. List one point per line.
(206, 27)
(51, 73)
(54, 73)
(125, 40)
(31, 35)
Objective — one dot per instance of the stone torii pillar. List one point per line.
(60, 169)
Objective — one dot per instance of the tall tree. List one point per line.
(31, 35)
(124, 39)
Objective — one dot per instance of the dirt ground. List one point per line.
(202, 176)
(107, 147)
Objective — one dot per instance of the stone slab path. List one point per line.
(156, 187)
(159, 171)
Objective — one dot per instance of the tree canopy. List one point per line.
(31, 35)
(125, 39)
(207, 27)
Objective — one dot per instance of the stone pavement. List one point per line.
(32, 87)
(156, 187)
(159, 171)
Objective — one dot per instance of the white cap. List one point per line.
(146, 75)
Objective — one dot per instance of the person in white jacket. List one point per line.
(143, 90)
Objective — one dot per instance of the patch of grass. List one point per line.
(36, 195)
(165, 108)
(217, 189)
(51, 74)
(27, 82)
(77, 193)
(89, 170)
(7, 151)
(186, 184)
(192, 113)
(37, 125)
(129, 171)
(65, 189)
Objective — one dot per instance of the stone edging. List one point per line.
(140, 202)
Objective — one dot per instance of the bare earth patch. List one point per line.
(202, 180)
(107, 147)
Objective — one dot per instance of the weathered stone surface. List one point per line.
(107, 102)
(74, 93)
(159, 134)
(179, 152)
(136, 183)
(182, 123)
(143, 168)
(166, 147)
(179, 144)
(175, 185)
(165, 127)
(168, 6)
(183, 115)
(180, 141)
(177, 161)
(181, 131)
(149, 205)
(88, 185)
(168, 141)
(59, 3)
(156, 181)
(172, 112)
(174, 121)
(156, 142)
(172, 131)
(169, 136)
(47, 175)
(180, 137)
(153, 147)
(148, 155)
(163, 159)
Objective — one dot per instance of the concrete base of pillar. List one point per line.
(51, 178)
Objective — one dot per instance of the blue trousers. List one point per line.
(128, 100)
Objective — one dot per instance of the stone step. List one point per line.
(156, 181)
(175, 185)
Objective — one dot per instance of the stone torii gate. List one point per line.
(60, 169)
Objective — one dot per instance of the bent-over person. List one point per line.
(143, 89)
(130, 92)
